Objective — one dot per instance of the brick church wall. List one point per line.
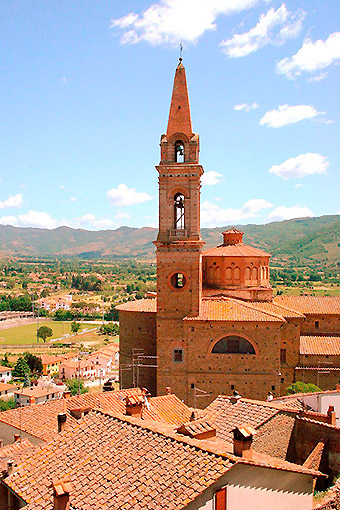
(319, 324)
(137, 331)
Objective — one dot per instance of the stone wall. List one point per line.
(137, 330)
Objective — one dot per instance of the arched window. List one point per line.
(237, 275)
(179, 152)
(179, 211)
(233, 345)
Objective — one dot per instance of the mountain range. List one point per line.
(300, 240)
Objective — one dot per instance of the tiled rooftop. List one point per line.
(320, 345)
(276, 309)
(15, 452)
(226, 416)
(139, 305)
(40, 420)
(134, 465)
(35, 391)
(112, 459)
(313, 305)
(5, 369)
(8, 387)
(228, 309)
(235, 250)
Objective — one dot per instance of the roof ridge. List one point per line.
(249, 306)
(289, 309)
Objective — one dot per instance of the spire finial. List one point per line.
(180, 51)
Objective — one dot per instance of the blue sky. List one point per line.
(85, 95)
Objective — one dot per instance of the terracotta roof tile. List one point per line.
(235, 250)
(276, 309)
(5, 369)
(40, 420)
(320, 345)
(228, 309)
(113, 459)
(311, 305)
(226, 416)
(15, 451)
(139, 305)
(8, 387)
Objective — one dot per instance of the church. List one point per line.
(213, 326)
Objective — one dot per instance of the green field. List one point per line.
(22, 335)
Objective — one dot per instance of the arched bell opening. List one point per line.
(179, 211)
(179, 151)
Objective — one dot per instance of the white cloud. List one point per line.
(286, 115)
(297, 186)
(31, 219)
(288, 213)
(61, 186)
(274, 27)
(301, 166)
(90, 221)
(214, 215)
(246, 107)
(12, 201)
(211, 178)
(73, 199)
(123, 196)
(311, 57)
(171, 21)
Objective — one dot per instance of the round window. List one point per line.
(178, 280)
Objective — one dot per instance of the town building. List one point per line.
(214, 325)
(5, 374)
(36, 395)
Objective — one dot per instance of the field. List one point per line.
(26, 335)
(316, 290)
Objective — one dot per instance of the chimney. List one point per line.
(1, 443)
(331, 415)
(243, 440)
(134, 405)
(61, 422)
(67, 394)
(235, 397)
(10, 467)
(16, 438)
(168, 390)
(31, 400)
(61, 494)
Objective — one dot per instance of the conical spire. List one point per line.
(179, 116)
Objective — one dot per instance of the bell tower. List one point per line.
(179, 242)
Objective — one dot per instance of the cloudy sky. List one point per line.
(85, 94)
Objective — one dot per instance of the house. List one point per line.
(6, 390)
(39, 423)
(83, 368)
(144, 465)
(50, 363)
(35, 394)
(5, 374)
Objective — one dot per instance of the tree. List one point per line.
(44, 332)
(6, 404)
(21, 369)
(112, 314)
(34, 363)
(109, 329)
(5, 361)
(75, 327)
(76, 386)
(301, 387)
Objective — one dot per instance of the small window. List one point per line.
(178, 280)
(283, 355)
(179, 211)
(192, 386)
(220, 499)
(316, 324)
(178, 355)
(232, 386)
(273, 388)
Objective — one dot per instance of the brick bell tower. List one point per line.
(179, 242)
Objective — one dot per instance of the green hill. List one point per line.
(299, 241)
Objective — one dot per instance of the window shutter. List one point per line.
(220, 499)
